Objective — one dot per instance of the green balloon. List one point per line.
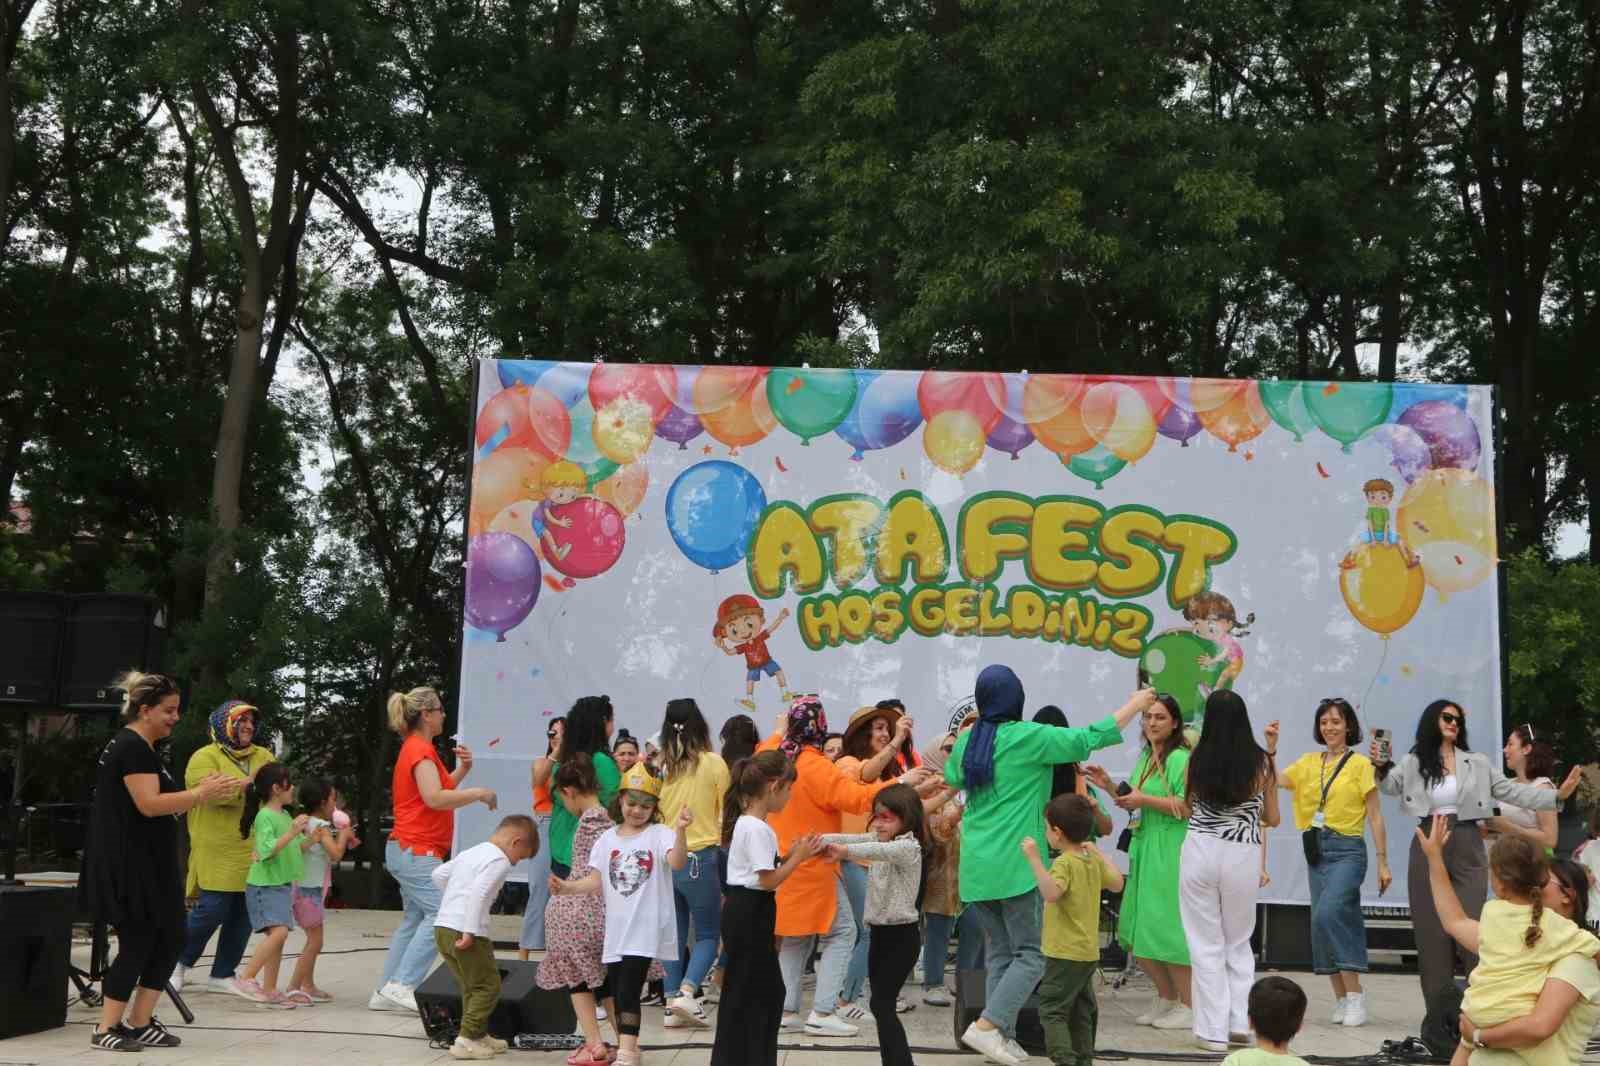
(1170, 664)
(1352, 408)
(1099, 465)
(1285, 401)
(810, 403)
(598, 470)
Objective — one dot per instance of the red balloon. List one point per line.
(1155, 397)
(649, 384)
(532, 418)
(596, 537)
(552, 424)
(953, 390)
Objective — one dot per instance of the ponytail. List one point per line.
(1531, 937)
(141, 690)
(1521, 867)
(407, 708)
(267, 778)
(749, 780)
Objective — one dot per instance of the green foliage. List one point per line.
(1554, 671)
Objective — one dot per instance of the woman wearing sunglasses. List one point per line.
(1442, 776)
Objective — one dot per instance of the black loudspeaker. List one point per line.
(35, 948)
(524, 1007)
(32, 625)
(970, 997)
(1285, 936)
(105, 635)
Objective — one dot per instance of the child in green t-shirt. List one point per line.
(1071, 940)
(1277, 1009)
(278, 864)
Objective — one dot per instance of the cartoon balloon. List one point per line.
(598, 471)
(582, 448)
(1285, 401)
(567, 382)
(1171, 664)
(625, 489)
(885, 411)
(503, 578)
(517, 519)
(1347, 409)
(524, 417)
(623, 429)
(1447, 519)
(810, 402)
(1379, 588)
(1408, 393)
(951, 390)
(954, 441)
(1064, 433)
(645, 383)
(1099, 464)
(594, 540)
(712, 511)
(680, 427)
(1450, 433)
(1403, 449)
(1010, 436)
(1179, 424)
(717, 387)
(1117, 416)
(743, 422)
(1240, 419)
(1200, 394)
(501, 478)
(1030, 398)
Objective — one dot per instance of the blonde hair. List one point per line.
(564, 474)
(142, 690)
(406, 709)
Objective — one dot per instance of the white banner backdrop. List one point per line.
(892, 533)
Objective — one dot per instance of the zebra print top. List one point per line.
(1240, 824)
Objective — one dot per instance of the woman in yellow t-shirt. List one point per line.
(1338, 933)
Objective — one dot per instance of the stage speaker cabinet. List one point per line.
(524, 1007)
(32, 625)
(105, 635)
(971, 994)
(35, 949)
(1285, 936)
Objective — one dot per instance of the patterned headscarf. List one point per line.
(808, 726)
(225, 724)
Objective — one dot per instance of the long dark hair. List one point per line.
(903, 802)
(1064, 779)
(1541, 758)
(739, 739)
(750, 778)
(267, 778)
(1575, 882)
(1429, 737)
(586, 728)
(1227, 766)
(550, 741)
(684, 736)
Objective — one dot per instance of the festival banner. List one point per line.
(733, 534)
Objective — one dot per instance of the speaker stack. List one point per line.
(61, 652)
(524, 1007)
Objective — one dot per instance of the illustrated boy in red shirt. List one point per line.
(741, 629)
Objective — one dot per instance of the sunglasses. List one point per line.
(1453, 719)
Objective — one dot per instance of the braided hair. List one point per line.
(1520, 867)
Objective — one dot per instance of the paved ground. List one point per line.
(232, 1032)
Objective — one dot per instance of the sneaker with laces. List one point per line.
(791, 1021)
(113, 1039)
(990, 1043)
(245, 988)
(688, 1010)
(213, 984)
(1209, 1045)
(1179, 1017)
(1355, 1010)
(1336, 1016)
(496, 1043)
(902, 1005)
(151, 1034)
(937, 997)
(672, 1021)
(464, 1048)
(401, 995)
(1016, 1050)
(1157, 1008)
(829, 1025)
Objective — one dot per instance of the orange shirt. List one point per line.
(541, 798)
(416, 825)
(822, 793)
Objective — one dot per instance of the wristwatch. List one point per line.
(1477, 1038)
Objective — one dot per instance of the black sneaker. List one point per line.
(152, 1034)
(114, 1039)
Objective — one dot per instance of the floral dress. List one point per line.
(575, 926)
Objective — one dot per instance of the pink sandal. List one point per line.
(299, 997)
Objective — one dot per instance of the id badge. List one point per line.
(1133, 819)
(1319, 821)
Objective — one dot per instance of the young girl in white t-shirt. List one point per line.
(752, 985)
(630, 864)
(324, 846)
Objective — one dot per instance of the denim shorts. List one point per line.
(308, 912)
(269, 905)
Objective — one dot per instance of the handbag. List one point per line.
(1310, 841)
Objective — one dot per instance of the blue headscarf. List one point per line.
(998, 695)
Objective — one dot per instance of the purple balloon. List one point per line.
(1179, 424)
(1450, 433)
(679, 426)
(1408, 452)
(503, 579)
(1010, 436)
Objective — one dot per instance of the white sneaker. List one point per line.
(672, 1021)
(178, 974)
(495, 1044)
(1156, 1009)
(1017, 1051)
(401, 995)
(989, 1043)
(828, 1025)
(688, 1011)
(937, 997)
(791, 1021)
(599, 1013)
(1355, 1010)
(1209, 1045)
(1179, 1017)
(470, 1049)
(1336, 1016)
(213, 984)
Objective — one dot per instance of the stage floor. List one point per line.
(232, 1032)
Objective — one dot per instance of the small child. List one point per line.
(629, 865)
(1071, 937)
(468, 884)
(1277, 1007)
(324, 847)
(752, 984)
(894, 847)
(269, 886)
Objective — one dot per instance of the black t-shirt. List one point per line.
(131, 869)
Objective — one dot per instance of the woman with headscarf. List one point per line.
(1006, 766)
(218, 858)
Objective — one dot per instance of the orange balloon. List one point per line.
(625, 489)
(748, 419)
(1240, 419)
(1116, 415)
(1065, 434)
(531, 418)
(1204, 394)
(954, 440)
(1380, 588)
(1044, 396)
(517, 519)
(717, 387)
(500, 479)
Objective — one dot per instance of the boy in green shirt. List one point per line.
(1071, 941)
(1277, 1009)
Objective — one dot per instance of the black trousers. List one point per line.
(752, 988)
(891, 953)
(146, 956)
(627, 983)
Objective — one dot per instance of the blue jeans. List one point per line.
(411, 949)
(1338, 932)
(936, 945)
(1011, 927)
(696, 893)
(532, 935)
(854, 876)
(213, 909)
(837, 943)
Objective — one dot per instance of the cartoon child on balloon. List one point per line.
(1214, 620)
(1379, 523)
(741, 629)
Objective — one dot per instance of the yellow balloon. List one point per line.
(623, 429)
(1118, 417)
(1447, 518)
(499, 479)
(1382, 591)
(517, 519)
(954, 441)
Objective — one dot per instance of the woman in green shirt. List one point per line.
(588, 730)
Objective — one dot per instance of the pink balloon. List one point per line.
(596, 537)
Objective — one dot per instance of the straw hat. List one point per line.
(639, 780)
(863, 719)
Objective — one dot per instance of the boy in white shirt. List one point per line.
(470, 882)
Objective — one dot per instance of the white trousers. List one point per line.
(1217, 883)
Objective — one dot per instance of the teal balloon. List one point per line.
(598, 470)
(583, 450)
(810, 403)
(1350, 410)
(1285, 401)
(1099, 465)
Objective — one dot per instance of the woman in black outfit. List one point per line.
(132, 880)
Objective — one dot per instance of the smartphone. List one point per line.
(1385, 746)
(1124, 788)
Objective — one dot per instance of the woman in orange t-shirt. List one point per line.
(425, 795)
(532, 936)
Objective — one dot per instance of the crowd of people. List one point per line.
(682, 873)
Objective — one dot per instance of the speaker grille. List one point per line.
(32, 625)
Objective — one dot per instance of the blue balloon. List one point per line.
(1408, 393)
(712, 511)
(568, 382)
(885, 413)
(581, 448)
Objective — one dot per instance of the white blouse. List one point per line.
(1442, 797)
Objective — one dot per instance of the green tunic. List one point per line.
(1149, 925)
